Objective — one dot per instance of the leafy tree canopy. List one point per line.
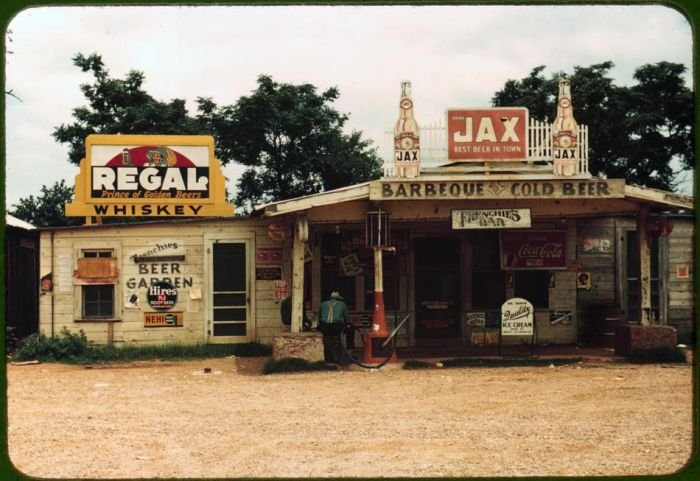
(289, 137)
(47, 209)
(119, 107)
(291, 140)
(634, 132)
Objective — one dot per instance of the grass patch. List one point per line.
(495, 362)
(658, 355)
(74, 348)
(293, 364)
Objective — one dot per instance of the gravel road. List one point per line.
(173, 419)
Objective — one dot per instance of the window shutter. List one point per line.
(96, 270)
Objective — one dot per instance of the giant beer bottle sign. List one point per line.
(406, 137)
(149, 176)
(564, 134)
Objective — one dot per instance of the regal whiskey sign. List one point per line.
(151, 176)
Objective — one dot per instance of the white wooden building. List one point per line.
(511, 212)
(230, 273)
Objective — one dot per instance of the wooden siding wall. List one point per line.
(607, 272)
(681, 300)
(562, 298)
(62, 307)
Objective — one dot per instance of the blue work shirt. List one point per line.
(333, 310)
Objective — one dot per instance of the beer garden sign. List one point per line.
(149, 176)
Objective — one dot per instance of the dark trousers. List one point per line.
(332, 348)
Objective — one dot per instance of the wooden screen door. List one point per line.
(229, 316)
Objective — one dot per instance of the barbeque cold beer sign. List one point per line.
(149, 175)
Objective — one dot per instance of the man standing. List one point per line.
(332, 318)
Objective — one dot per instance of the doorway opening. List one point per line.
(437, 288)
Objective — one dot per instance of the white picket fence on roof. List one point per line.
(433, 150)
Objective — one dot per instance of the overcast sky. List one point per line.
(455, 56)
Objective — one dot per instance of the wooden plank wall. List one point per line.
(62, 307)
(680, 290)
(606, 268)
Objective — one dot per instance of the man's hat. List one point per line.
(336, 295)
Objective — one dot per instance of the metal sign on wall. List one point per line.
(533, 250)
(149, 176)
(162, 295)
(487, 134)
(517, 317)
(163, 319)
(491, 218)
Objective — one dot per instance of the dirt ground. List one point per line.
(173, 419)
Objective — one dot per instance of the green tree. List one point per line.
(119, 106)
(291, 140)
(289, 137)
(47, 209)
(635, 132)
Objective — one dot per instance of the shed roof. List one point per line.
(13, 221)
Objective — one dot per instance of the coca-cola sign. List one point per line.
(533, 250)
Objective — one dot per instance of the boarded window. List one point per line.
(96, 270)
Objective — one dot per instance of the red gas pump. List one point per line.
(377, 236)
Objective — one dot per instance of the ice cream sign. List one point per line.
(149, 175)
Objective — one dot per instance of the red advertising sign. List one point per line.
(281, 290)
(162, 295)
(268, 256)
(487, 134)
(533, 250)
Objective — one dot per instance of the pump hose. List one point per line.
(349, 329)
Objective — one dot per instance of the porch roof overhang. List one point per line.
(300, 204)
(622, 198)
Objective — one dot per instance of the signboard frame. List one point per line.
(549, 240)
(506, 218)
(528, 313)
(487, 134)
(114, 181)
(511, 189)
(161, 319)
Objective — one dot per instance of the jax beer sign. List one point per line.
(149, 175)
(533, 249)
(487, 134)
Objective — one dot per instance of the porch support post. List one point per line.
(301, 235)
(644, 266)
